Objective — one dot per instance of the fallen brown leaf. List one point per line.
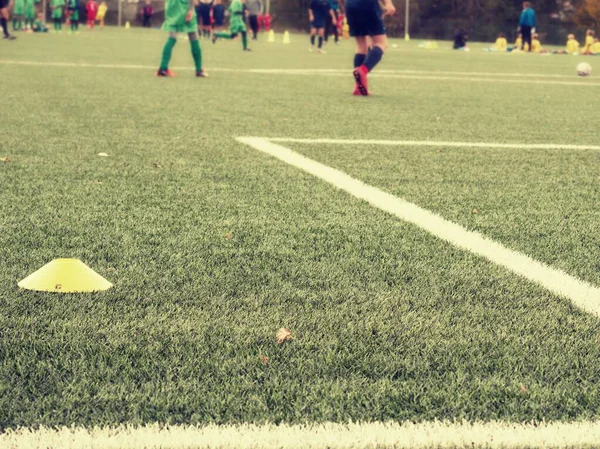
(4, 159)
(523, 389)
(156, 165)
(228, 236)
(264, 359)
(283, 335)
(475, 211)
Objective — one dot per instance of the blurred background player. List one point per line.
(218, 13)
(589, 41)
(4, 19)
(180, 17)
(255, 10)
(91, 9)
(572, 45)
(147, 13)
(18, 15)
(501, 43)
(39, 26)
(460, 40)
(73, 7)
(317, 13)
(236, 25)
(57, 13)
(536, 45)
(527, 24)
(365, 18)
(331, 25)
(203, 10)
(102, 8)
(29, 13)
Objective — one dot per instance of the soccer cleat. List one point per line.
(201, 74)
(310, 49)
(360, 75)
(320, 50)
(214, 38)
(247, 49)
(356, 91)
(166, 73)
(10, 37)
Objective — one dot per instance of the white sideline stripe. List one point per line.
(582, 294)
(329, 435)
(428, 143)
(408, 75)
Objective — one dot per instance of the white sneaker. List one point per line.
(320, 50)
(310, 49)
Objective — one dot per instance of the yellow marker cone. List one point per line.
(127, 25)
(286, 37)
(271, 38)
(65, 276)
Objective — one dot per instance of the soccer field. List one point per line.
(434, 248)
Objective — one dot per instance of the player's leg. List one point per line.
(197, 55)
(313, 36)
(254, 26)
(360, 55)
(167, 52)
(321, 33)
(4, 19)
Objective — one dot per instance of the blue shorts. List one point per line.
(203, 14)
(219, 15)
(365, 18)
(319, 22)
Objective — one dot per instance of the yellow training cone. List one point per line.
(127, 25)
(286, 37)
(271, 38)
(65, 276)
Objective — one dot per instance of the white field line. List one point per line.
(519, 78)
(581, 293)
(331, 436)
(427, 143)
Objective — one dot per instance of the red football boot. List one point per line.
(360, 75)
(168, 73)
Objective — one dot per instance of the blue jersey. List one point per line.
(527, 18)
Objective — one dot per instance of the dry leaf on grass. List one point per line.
(283, 335)
(475, 211)
(523, 389)
(228, 236)
(156, 165)
(4, 159)
(264, 359)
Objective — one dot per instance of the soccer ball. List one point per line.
(584, 69)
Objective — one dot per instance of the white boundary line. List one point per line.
(581, 293)
(407, 74)
(331, 436)
(427, 143)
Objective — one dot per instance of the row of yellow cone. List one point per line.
(271, 37)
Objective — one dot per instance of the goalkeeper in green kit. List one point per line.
(236, 24)
(180, 17)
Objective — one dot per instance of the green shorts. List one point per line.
(57, 13)
(175, 13)
(19, 9)
(30, 12)
(74, 16)
(235, 28)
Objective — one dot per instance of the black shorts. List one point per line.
(219, 15)
(365, 18)
(319, 22)
(4, 4)
(203, 14)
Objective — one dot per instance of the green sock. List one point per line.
(245, 40)
(197, 54)
(14, 24)
(166, 54)
(223, 35)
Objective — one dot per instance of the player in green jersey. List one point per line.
(57, 13)
(236, 24)
(38, 25)
(18, 14)
(180, 17)
(29, 13)
(73, 7)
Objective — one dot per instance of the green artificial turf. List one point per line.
(213, 246)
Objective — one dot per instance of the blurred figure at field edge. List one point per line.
(527, 24)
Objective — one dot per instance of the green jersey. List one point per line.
(175, 13)
(19, 8)
(57, 8)
(29, 9)
(236, 20)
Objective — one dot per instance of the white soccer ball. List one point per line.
(584, 69)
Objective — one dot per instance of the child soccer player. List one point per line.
(18, 14)
(91, 9)
(218, 16)
(57, 13)
(572, 45)
(29, 13)
(180, 17)
(203, 14)
(589, 41)
(38, 25)
(236, 24)
(536, 45)
(73, 7)
(365, 18)
(318, 12)
(596, 47)
(147, 12)
(101, 13)
(501, 43)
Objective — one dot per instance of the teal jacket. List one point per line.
(527, 18)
